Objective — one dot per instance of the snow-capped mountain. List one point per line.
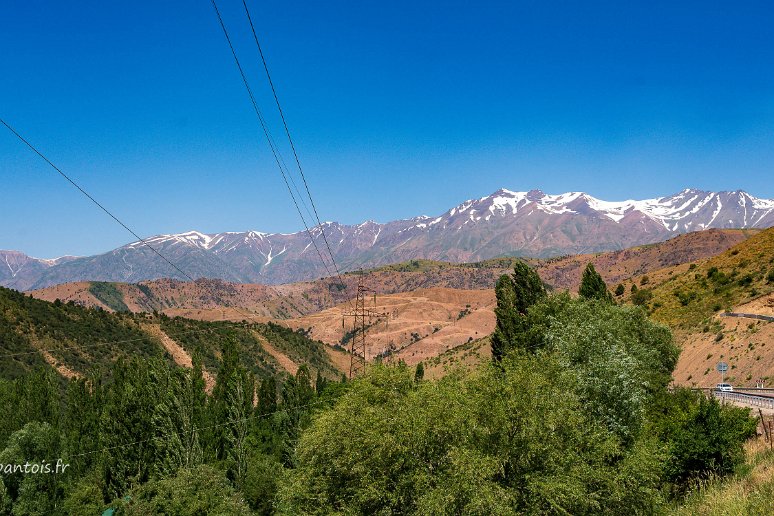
(689, 210)
(17, 270)
(505, 223)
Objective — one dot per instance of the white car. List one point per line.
(724, 387)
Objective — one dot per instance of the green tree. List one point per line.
(593, 286)
(297, 396)
(192, 492)
(419, 373)
(320, 383)
(528, 287)
(261, 481)
(507, 318)
(619, 290)
(513, 438)
(34, 446)
(84, 497)
(703, 437)
(5, 500)
(620, 358)
(515, 294)
(143, 406)
(81, 422)
(267, 397)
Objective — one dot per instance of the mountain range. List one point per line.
(505, 223)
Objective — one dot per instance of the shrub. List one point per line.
(203, 490)
(704, 438)
(642, 296)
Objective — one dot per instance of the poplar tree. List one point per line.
(515, 294)
(593, 286)
(419, 374)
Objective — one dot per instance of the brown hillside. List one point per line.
(747, 345)
(618, 266)
(420, 324)
(217, 300)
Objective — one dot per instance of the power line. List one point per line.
(278, 159)
(274, 150)
(119, 221)
(92, 199)
(287, 132)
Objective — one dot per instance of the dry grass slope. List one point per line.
(749, 493)
(687, 296)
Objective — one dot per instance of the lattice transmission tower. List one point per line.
(361, 314)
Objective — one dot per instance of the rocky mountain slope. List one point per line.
(505, 223)
(218, 299)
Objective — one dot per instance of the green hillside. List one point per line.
(199, 337)
(108, 294)
(86, 339)
(690, 295)
(80, 338)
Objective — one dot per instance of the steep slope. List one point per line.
(686, 296)
(505, 223)
(76, 340)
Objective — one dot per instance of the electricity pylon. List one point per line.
(358, 355)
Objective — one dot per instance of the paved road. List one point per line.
(752, 401)
(748, 316)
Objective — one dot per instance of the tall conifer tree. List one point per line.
(593, 286)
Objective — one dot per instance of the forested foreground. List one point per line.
(572, 416)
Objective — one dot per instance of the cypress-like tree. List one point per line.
(320, 383)
(515, 294)
(506, 317)
(593, 286)
(267, 397)
(419, 374)
(528, 287)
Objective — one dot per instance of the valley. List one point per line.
(434, 308)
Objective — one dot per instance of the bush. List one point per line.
(642, 296)
(703, 437)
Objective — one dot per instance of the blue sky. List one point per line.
(397, 109)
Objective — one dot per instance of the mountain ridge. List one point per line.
(505, 223)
